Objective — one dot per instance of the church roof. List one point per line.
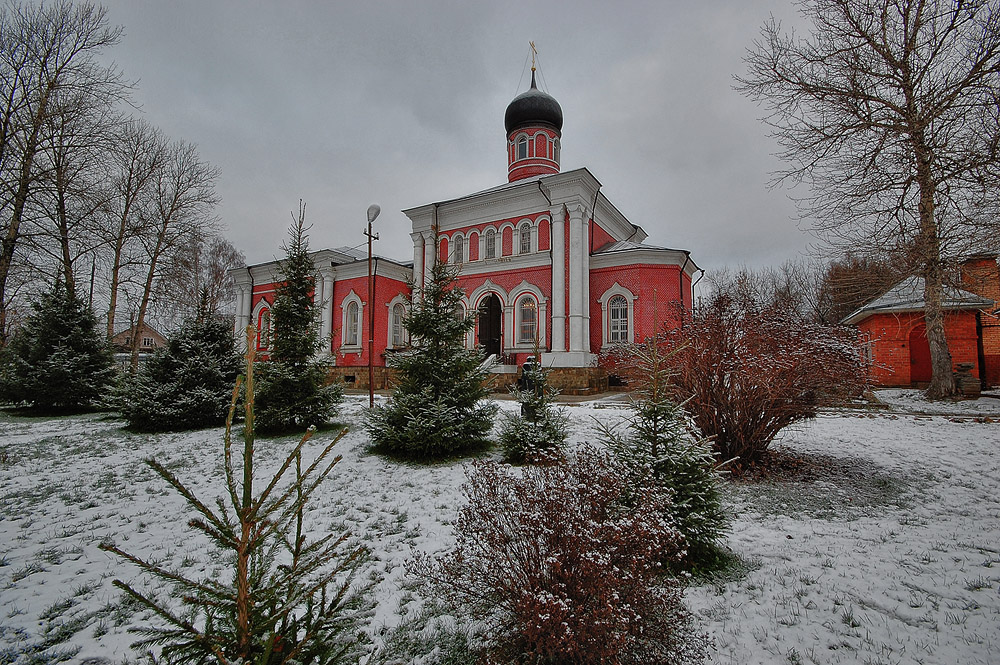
(908, 296)
(533, 108)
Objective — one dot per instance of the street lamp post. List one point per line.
(373, 211)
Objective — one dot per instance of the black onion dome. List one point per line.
(533, 107)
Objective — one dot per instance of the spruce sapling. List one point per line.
(185, 385)
(437, 408)
(294, 389)
(289, 600)
(658, 447)
(57, 361)
(539, 429)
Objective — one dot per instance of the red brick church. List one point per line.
(544, 258)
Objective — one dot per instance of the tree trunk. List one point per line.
(144, 303)
(20, 200)
(942, 380)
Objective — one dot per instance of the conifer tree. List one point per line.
(287, 598)
(539, 428)
(658, 447)
(187, 384)
(57, 360)
(436, 410)
(294, 389)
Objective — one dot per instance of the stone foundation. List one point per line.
(567, 380)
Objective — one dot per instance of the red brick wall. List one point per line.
(982, 276)
(658, 289)
(599, 237)
(889, 338)
(385, 290)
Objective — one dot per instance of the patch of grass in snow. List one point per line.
(834, 488)
(722, 566)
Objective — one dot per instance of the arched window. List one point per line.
(524, 238)
(264, 329)
(522, 147)
(557, 150)
(618, 319)
(351, 329)
(459, 250)
(527, 314)
(491, 244)
(398, 332)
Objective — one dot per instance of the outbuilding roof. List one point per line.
(908, 296)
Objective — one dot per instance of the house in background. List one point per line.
(892, 327)
(544, 259)
(150, 340)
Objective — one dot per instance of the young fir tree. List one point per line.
(294, 389)
(286, 599)
(57, 361)
(540, 428)
(658, 446)
(187, 384)
(437, 409)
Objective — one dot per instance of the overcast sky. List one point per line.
(343, 104)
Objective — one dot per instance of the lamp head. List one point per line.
(373, 211)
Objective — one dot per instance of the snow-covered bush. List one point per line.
(551, 566)
(188, 383)
(656, 445)
(57, 360)
(284, 598)
(437, 408)
(539, 427)
(294, 390)
(745, 369)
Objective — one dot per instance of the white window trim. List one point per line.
(497, 244)
(514, 319)
(527, 147)
(616, 290)
(351, 297)
(532, 237)
(398, 300)
(455, 258)
(255, 319)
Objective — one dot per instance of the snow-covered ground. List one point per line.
(888, 553)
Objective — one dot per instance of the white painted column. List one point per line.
(558, 278)
(326, 309)
(418, 262)
(430, 247)
(243, 300)
(585, 281)
(577, 252)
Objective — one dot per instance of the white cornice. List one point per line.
(647, 256)
(506, 264)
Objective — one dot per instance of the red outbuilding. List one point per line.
(893, 331)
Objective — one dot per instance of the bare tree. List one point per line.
(199, 267)
(182, 209)
(49, 54)
(136, 156)
(890, 113)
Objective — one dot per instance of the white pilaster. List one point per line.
(325, 284)
(430, 247)
(585, 281)
(418, 262)
(577, 253)
(558, 278)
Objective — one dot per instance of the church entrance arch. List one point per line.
(490, 316)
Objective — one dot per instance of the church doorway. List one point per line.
(489, 325)
(920, 355)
